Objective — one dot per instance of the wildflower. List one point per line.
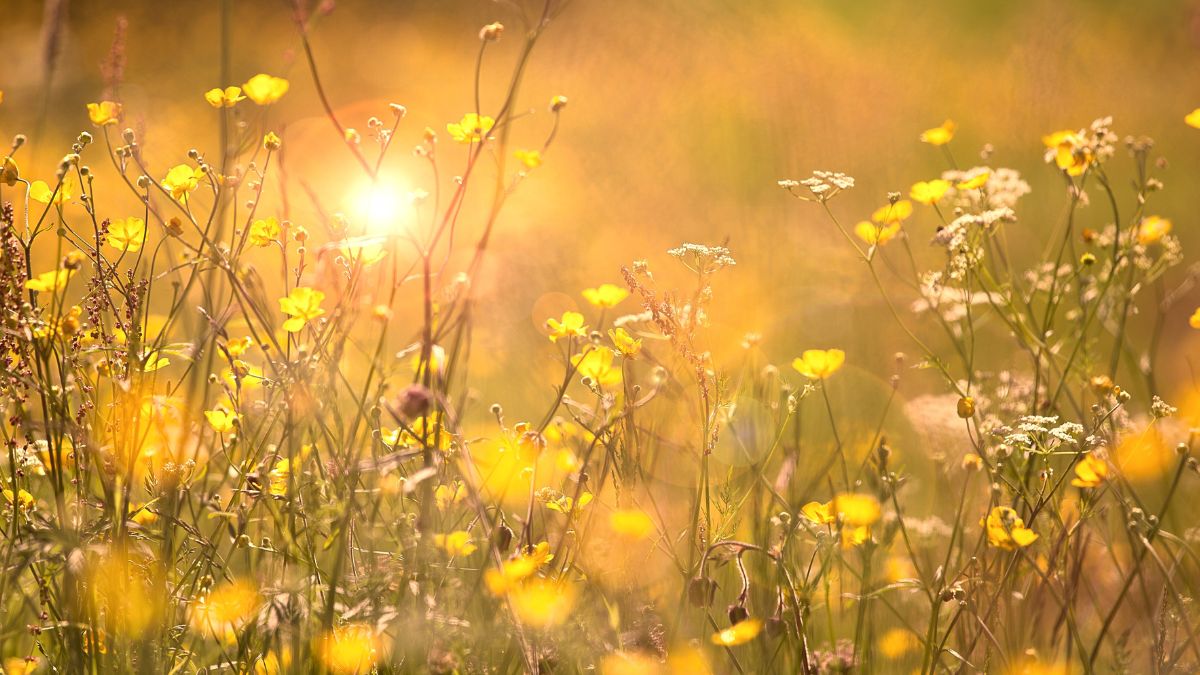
(1006, 530)
(1194, 319)
(974, 182)
(823, 185)
(929, 192)
(703, 259)
(629, 347)
(127, 234)
(271, 141)
(542, 603)
(564, 503)
(104, 113)
(350, 649)
(39, 191)
(893, 213)
(532, 159)
(597, 364)
(739, 633)
(49, 282)
(457, 543)
(1152, 229)
(965, 407)
(631, 523)
(1193, 118)
(818, 364)
(1090, 472)
(445, 496)
(606, 296)
(1069, 151)
(821, 514)
(876, 235)
(513, 572)
(939, 135)
(264, 232)
(557, 102)
(855, 536)
(472, 128)
(181, 180)
(897, 642)
(857, 509)
(9, 171)
(225, 609)
(264, 89)
(571, 325)
(302, 304)
(224, 98)
(279, 476)
(222, 421)
(20, 500)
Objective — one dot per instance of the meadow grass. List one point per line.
(239, 443)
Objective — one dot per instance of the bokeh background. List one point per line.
(683, 114)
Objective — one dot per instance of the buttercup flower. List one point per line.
(127, 234)
(264, 232)
(1193, 118)
(1194, 320)
(181, 180)
(939, 135)
(222, 421)
(49, 282)
(532, 159)
(606, 296)
(893, 213)
(818, 364)
(1006, 530)
(876, 235)
(303, 304)
(929, 192)
(104, 113)
(627, 345)
(224, 98)
(631, 523)
(264, 89)
(39, 191)
(974, 182)
(472, 128)
(1151, 229)
(571, 325)
(1090, 472)
(739, 633)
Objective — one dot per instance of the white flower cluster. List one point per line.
(823, 184)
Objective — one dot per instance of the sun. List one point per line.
(382, 207)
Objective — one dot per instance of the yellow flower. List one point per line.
(271, 141)
(557, 102)
(1006, 530)
(41, 192)
(224, 98)
(49, 282)
(21, 500)
(821, 514)
(739, 633)
(939, 135)
(264, 232)
(264, 89)
(974, 182)
(855, 536)
(597, 364)
(127, 234)
(10, 173)
(303, 304)
(1193, 118)
(542, 604)
(566, 504)
(17, 665)
(1194, 320)
(152, 361)
(631, 523)
(818, 364)
(571, 325)
(351, 650)
(897, 642)
(225, 609)
(457, 543)
(280, 475)
(1090, 472)
(893, 213)
(630, 663)
(857, 510)
(472, 128)
(532, 159)
(1152, 229)
(104, 113)
(446, 496)
(876, 235)
(181, 180)
(1068, 151)
(606, 296)
(627, 345)
(222, 421)
(929, 192)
